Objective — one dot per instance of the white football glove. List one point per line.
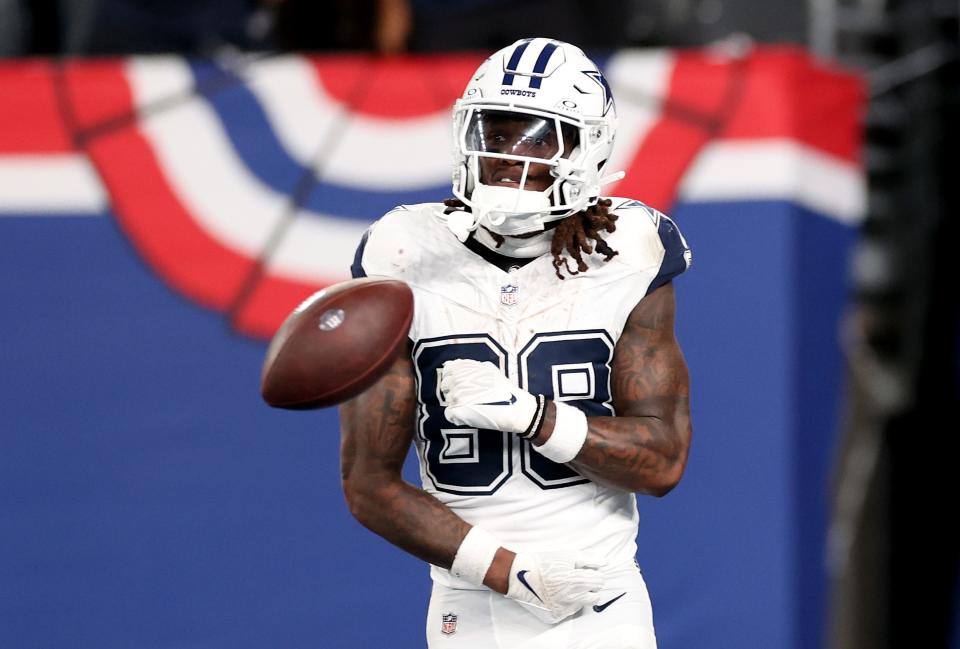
(555, 585)
(478, 395)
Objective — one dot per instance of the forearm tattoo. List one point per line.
(377, 428)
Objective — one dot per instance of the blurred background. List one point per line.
(176, 176)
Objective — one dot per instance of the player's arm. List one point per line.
(377, 428)
(376, 431)
(644, 448)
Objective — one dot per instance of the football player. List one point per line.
(544, 386)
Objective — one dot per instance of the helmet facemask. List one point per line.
(520, 167)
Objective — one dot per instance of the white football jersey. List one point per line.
(550, 336)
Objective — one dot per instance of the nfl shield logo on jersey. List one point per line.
(449, 624)
(509, 294)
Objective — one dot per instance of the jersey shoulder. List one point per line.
(646, 237)
(395, 243)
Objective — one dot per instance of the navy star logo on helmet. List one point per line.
(601, 80)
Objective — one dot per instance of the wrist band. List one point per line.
(536, 424)
(474, 556)
(569, 434)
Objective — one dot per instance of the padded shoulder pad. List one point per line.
(356, 268)
(410, 243)
(677, 256)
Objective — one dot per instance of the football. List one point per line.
(337, 343)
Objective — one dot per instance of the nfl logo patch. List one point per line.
(509, 294)
(449, 624)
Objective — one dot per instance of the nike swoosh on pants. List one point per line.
(600, 608)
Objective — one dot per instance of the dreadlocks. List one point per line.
(571, 235)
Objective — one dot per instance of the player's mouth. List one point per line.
(533, 183)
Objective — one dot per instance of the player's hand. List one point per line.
(555, 585)
(478, 395)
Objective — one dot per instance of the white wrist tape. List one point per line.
(569, 434)
(474, 556)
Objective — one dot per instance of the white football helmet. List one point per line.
(532, 134)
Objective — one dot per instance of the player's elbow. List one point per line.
(362, 500)
(669, 474)
(365, 498)
(665, 481)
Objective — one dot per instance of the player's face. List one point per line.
(521, 135)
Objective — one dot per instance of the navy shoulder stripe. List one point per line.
(677, 256)
(356, 268)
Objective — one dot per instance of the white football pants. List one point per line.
(483, 619)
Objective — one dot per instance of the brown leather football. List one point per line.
(337, 343)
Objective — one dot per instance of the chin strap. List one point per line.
(495, 205)
(486, 201)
